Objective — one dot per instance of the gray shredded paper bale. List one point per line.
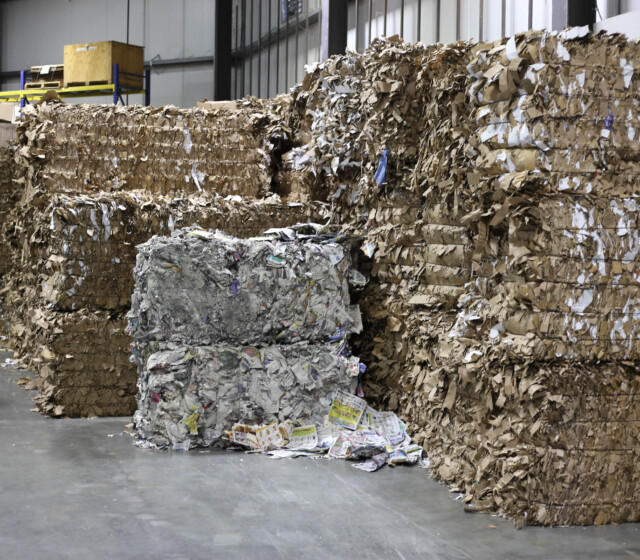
(192, 394)
(200, 288)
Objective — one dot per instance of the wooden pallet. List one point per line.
(89, 83)
(43, 85)
(54, 72)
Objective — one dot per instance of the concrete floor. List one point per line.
(72, 489)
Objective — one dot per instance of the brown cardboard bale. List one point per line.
(78, 149)
(217, 105)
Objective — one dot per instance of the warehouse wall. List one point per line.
(275, 77)
(34, 32)
(517, 19)
(279, 64)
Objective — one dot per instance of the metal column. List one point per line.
(222, 51)
(147, 87)
(116, 83)
(567, 13)
(23, 81)
(582, 12)
(333, 28)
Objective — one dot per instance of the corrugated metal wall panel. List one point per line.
(198, 27)
(34, 31)
(165, 29)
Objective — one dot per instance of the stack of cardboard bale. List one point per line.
(8, 197)
(500, 319)
(407, 99)
(82, 214)
(528, 402)
(233, 331)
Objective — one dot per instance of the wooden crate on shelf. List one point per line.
(89, 64)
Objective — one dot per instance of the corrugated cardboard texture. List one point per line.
(74, 255)
(7, 133)
(8, 196)
(8, 199)
(86, 148)
(501, 319)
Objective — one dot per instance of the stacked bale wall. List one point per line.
(529, 401)
(8, 199)
(500, 321)
(97, 181)
(501, 315)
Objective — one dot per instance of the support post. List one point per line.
(568, 13)
(116, 83)
(147, 87)
(582, 12)
(23, 81)
(222, 51)
(333, 28)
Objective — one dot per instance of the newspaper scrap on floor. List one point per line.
(378, 438)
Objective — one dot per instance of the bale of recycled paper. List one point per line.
(87, 148)
(81, 360)
(525, 399)
(189, 395)
(201, 287)
(85, 246)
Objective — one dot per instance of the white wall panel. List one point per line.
(35, 32)
(628, 23)
(164, 29)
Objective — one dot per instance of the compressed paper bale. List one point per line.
(195, 393)
(83, 148)
(84, 246)
(8, 199)
(81, 360)
(555, 226)
(201, 288)
(580, 134)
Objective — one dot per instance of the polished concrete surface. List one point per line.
(78, 488)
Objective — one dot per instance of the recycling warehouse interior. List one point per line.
(440, 237)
